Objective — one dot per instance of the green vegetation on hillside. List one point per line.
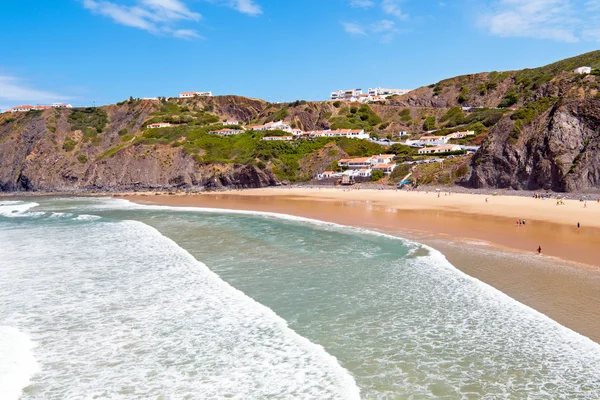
(90, 118)
(249, 148)
(356, 118)
(529, 113)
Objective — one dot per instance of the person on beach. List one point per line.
(539, 249)
(578, 226)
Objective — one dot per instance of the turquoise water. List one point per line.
(110, 299)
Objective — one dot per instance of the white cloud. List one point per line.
(386, 29)
(14, 90)
(248, 7)
(542, 19)
(362, 3)
(354, 28)
(392, 7)
(154, 16)
(186, 34)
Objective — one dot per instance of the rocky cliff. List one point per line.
(45, 151)
(559, 150)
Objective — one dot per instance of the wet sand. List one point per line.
(482, 239)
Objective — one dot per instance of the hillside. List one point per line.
(538, 128)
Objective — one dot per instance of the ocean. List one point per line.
(106, 299)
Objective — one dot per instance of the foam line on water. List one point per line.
(17, 362)
(434, 257)
(12, 209)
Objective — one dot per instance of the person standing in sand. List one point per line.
(539, 249)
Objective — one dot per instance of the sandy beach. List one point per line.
(479, 237)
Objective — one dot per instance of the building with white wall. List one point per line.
(385, 92)
(583, 70)
(226, 132)
(158, 125)
(187, 95)
(346, 95)
(278, 138)
(439, 149)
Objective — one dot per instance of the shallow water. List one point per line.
(115, 304)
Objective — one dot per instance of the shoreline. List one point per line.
(562, 283)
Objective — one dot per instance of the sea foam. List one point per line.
(17, 362)
(120, 311)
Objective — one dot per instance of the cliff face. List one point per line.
(559, 150)
(44, 152)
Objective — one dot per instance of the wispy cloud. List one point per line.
(248, 7)
(383, 28)
(362, 3)
(159, 17)
(14, 90)
(392, 7)
(353, 28)
(386, 30)
(559, 20)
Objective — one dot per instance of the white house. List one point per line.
(157, 125)
(346, 95)
(328, 174)
(433, 139)
(231, 122)
(226, 132)
(386, 168)
(384, 92)
(278, 138)
(271, 126)
(24, 108)
(61, 105)
(349, 133)
(439, 149)
(187, 95)
(356, 163)
(382, 159)
(583, 70)
(364, 173)
(459, 135)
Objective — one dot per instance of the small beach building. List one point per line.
(356, 163)
(385, 168)
(231, 122)
(365, 172)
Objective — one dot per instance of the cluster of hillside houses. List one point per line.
(357, 95)
(362, 167)
(430, 144)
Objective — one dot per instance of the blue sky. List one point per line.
(103, 51)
